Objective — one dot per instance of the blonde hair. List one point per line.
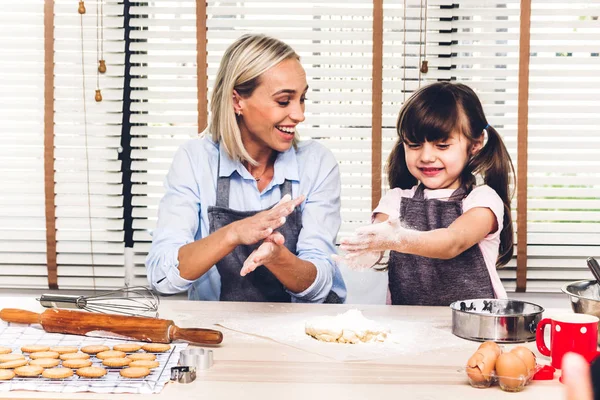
(242, 65)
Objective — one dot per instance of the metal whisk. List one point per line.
(134, 300)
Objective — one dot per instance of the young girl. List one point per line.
(446, 234)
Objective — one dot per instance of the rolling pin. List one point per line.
(85, 323)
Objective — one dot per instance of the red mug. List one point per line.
(576, 333)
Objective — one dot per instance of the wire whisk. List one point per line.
(133, 300)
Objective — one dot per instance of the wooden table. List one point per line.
(247, 367)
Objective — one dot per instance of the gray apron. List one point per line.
(416, 280)
(260, 285)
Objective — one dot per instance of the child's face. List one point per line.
(438, 165)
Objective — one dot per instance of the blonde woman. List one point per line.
(250, 212)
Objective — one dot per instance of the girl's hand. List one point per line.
(268, 251)
(359, 260)
(260, 226)
(387, 235)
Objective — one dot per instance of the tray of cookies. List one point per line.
(31, 359)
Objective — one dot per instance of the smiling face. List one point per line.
(270, 114)
(438, 165)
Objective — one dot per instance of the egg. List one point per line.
(480, 367)
(511, 371)
(527, 356)
(491, 345)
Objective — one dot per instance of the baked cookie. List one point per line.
(6, 374)
(43, 354)
(74, 356)
(33, 348)
(57, 373)
(141, 356)
(156, 347)
(127, 347)
(5, 350)
(45, 362)
(77, 363)
(95, 348)
(64, 349)
(91, 372)
(145, 364)
(135, 372)
(29, 370)
(110, 354)
(13, 364)
(11, 357)
(117, 362)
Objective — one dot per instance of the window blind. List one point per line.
(22, 219)
(564, 170)
(89, 203)
(163, 108)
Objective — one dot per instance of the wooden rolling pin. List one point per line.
(114, 326)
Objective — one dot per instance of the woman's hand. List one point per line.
(388, 235)
(267, 252)
(253, 229)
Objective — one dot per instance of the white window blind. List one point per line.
(164, 107)
(89, 203)
(22, 219)
(564, 169)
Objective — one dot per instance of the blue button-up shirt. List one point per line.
(191, 187)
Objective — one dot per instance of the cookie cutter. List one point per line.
(196, 357)
(183, 374)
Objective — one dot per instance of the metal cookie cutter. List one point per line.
(196, 357)
(183, 374)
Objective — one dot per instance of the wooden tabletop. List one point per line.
(250, 367)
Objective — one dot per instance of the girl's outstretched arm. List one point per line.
(444, 243)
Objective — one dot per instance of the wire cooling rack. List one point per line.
(17, 335)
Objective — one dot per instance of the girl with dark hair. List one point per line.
(447, 234)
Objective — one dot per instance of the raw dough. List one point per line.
(349, 327)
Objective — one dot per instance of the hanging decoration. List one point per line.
(97, 97)
(99, 46)
(423, 64)
(404, 55)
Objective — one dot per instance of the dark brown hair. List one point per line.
(433, 113)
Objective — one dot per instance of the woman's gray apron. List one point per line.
(260, 285)
(416, 280)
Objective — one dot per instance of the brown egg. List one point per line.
(491, 345)
(527, 356)
(481, 364)
(511, 372)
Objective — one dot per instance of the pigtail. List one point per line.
(397, 170)
(493, 162)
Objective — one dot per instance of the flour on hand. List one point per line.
(349, 327)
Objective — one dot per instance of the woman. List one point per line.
(250, 213)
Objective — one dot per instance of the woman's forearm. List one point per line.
(294, 273)
(196, 258)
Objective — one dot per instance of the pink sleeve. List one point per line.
(390, 202)
(486, 197)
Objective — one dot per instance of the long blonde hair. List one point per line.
(242, 65)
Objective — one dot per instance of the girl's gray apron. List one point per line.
(260, 285)
(416, 280)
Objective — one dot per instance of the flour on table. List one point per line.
(349, 327)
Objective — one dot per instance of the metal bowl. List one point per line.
(500, 320)
(585, 298)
